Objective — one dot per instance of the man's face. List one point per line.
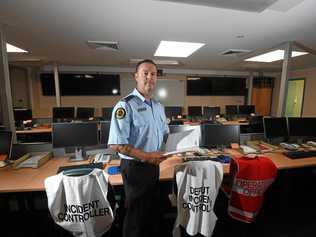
(146, 78)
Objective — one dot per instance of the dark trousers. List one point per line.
(141, 185)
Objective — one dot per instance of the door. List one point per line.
(294, 98)
(262, 94)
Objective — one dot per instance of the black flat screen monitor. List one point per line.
(275, 128)
(63, 113)
(75, 134)
(104, 132)
(195, 111)
(215, 135)
(211, 112)
(107, 113)
(173, 111)
(231, 109)
(5, 143)
(246, 109)
(302, 127)
(85, 113)
(256, 124)
(22, 114)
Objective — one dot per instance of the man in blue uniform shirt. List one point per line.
(138, 128)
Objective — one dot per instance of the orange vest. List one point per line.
(251, 177)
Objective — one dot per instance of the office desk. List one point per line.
(28, 179)
(234, 122)
(34, 130)
(40, 134)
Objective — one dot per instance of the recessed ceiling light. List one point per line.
(13, 49)
(177, 49)
(273, 56)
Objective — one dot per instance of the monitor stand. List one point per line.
(80, 155)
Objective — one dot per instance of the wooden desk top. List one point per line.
(35, 130)
(235, 122)
(28, 179)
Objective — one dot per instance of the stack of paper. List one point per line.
(182, 142)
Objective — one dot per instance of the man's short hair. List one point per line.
(146, 61)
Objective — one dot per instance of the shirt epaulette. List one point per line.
(128, 98)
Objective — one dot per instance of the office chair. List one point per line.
(197, 184)
(75, 195)
(246, 186)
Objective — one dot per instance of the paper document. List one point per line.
(182, 141)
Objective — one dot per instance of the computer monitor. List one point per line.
(63, 113)
(211, 112)
(246, 109)
(85, 113)
(302, 127)
(173, 111)
(77, 134)
(256, 124)
(107, 113)
(6, 143)
(275, 128)
(217, 135)
(195, 111)
(231, 109)
(20, 115)
(104, 132)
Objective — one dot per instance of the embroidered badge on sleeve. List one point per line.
(120, 113)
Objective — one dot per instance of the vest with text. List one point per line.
(251, 177)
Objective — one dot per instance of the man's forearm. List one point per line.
(129, 150)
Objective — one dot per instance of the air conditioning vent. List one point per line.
(234, 52)
(103, 45)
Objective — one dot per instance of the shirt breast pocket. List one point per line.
(140, 124)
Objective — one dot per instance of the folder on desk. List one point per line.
(32, 160)
(182, 142)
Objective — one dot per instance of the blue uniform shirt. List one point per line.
(134, 121)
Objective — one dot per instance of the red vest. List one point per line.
(251, 177)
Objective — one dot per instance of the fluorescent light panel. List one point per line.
(273, 56)
(176, 49)
(157, 61)
(13, 49)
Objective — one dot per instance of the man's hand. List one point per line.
(154, 158)
(151, 157)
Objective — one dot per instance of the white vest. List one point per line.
(198, 183)
(79, 203)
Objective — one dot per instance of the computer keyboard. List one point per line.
(300, 154)
(219, 158)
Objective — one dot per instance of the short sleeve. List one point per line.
(120, 124)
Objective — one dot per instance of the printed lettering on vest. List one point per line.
(82, 213)
(199, 200)
(251, 188)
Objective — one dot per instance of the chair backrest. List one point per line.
(248, 186)
(80, 204)
(198, 183)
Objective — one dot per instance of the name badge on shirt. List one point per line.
(141, 109)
